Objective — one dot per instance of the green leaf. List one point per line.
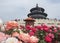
(41, 41)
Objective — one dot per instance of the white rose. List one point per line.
(11, 40)
(2, 28)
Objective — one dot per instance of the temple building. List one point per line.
(37, 16)
(37, 13)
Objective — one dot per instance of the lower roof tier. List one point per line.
(37, 15)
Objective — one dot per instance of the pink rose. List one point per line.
(15, 34)
(24, 37)
(33, 39)
(7, 36)
(11, 24)
(55, 30)
(19, 41)
(51, 35)
(8, 27)
(2, 36)
(44, 25)
(50, 30)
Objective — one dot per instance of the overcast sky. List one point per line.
(12, 9)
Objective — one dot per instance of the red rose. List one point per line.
(38, 27)
(33, 29)
(28, 27)
(31, 33)
(48, 39)
(46, 29)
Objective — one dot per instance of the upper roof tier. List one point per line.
(37, 8)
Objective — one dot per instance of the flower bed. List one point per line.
(12, 32)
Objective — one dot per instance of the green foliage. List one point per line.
(17, 31)
(41, 41)
(9, 31)
(41, 34)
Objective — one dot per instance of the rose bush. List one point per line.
(12, 32)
